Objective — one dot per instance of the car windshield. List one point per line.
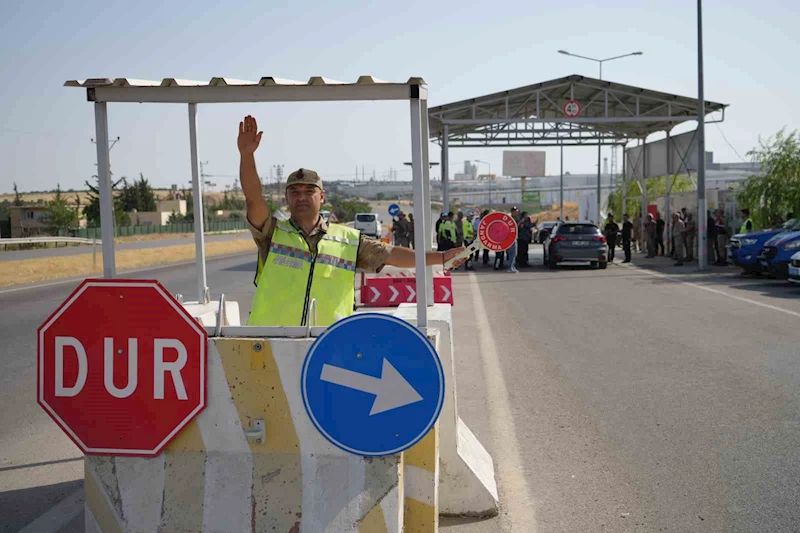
(792, 223)
(577, 229)
(365, 218)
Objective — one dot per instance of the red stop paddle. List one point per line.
(496, 232)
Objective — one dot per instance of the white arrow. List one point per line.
(411, 293)
(391, 390)
(395, 293)
(446, 292)
(376, 293)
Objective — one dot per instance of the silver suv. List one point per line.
(575, 242)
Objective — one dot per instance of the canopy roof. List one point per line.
(610, 113)
(267, 89)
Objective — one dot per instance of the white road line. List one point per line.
(716, 291)
(134, 271)
(514, 493)
(57, 516)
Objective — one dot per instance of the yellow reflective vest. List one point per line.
(447, 229)
(744, 229)
(469, 230)
(292, 277)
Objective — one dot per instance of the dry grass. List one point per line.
(570, 210)
(35, 270)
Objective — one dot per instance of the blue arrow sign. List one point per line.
(373, 384)
(394, 209)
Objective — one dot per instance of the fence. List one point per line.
(185, 227)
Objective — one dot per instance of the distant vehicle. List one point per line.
(744, 248)
(794, 269)
(542, 232)
(368, 224)
(326, 215)
(778, 252)
(575, 242)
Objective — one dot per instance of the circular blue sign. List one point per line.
(394, 209)
(373, 384)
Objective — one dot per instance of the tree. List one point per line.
(60, 215)
(17, 198)
(92, 209)
(655, 187)
(776, 191)
(345, 210)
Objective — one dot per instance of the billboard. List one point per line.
(677, 158)
(519, 164)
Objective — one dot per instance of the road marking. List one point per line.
(134, 271)
(57, 516)
(516, 497)
(716, 291)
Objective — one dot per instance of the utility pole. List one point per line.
(100, 187)
(702, 248)
(278, 178)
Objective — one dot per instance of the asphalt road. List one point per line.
(86, 249)
(626, 400)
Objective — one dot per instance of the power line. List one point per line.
(729, 144)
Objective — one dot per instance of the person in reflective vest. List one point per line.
(469, 236)
(447, 233)
(747, 225)
(304, 259)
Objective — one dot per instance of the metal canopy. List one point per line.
(229, 90)
(611, 113)
(267, 89)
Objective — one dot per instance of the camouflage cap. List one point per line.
(304, 176)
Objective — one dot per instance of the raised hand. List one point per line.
(248, 140)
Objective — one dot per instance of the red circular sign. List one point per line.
(497, 231)
(121, 367)
(572, 108)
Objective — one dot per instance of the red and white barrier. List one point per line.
(392, 290)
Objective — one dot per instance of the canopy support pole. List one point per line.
(104, 189)
(445, 171)
(426, 189)
(197, 197)
(420, 235)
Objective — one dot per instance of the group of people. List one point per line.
(403, 230)
(683, 234)
(456, 230)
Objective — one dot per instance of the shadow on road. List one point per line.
(21, 507)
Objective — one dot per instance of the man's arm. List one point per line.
(406, 258)
(248, 141)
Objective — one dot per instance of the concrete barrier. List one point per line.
(467, 485)
(218, 476)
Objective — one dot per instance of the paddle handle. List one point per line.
(468, 251)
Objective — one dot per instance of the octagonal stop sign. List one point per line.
(121, 367)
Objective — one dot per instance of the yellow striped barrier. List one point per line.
(223, 474)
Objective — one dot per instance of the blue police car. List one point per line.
(745, 248)
(777, 253)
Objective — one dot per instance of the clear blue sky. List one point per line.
(462, 50)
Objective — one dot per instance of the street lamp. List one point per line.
(488, 176)
(599, 146)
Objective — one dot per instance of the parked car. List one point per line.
(794, 269)
(542, 231)
(744, 248)
(368, 224)
(778, 252)
(575, 242)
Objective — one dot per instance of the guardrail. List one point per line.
(56, 240)
(45, 240)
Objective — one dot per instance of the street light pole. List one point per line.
(599, 146)
(488, 176)
(702, 219)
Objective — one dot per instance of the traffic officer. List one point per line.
(469, 236)
(303, 258)
(447, 233)
(747, 225)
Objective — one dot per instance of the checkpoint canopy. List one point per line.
(570, 111)
(101, 91)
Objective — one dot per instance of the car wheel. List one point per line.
(602, 265)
